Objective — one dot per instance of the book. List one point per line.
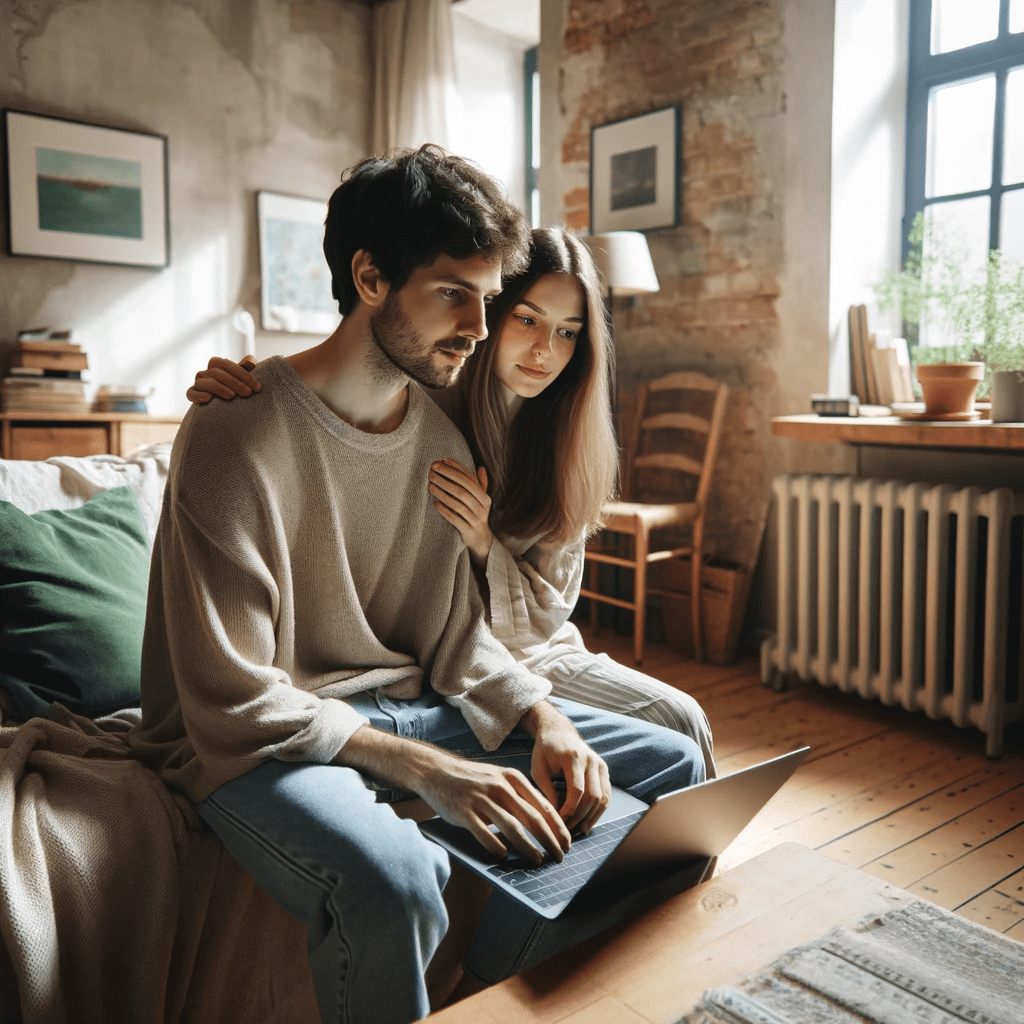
(43, 334)
(41, 385)
(121, 398)
(33, 333)
(45, 409)
(120, 405)
(38, 371)
(858, 379)
(906, 373)
(874, 396)
(890, 377)
(52, 360)
(48, 346)
(42, 395)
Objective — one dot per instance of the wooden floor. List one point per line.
(912, 801)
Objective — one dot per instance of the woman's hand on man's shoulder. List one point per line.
(224, 378)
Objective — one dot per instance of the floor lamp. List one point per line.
(624, 262)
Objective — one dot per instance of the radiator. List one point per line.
(908, 593)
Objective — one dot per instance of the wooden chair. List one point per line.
(648, 450)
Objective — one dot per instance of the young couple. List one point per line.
(314, 626)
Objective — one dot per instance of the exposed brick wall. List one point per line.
(720, 270)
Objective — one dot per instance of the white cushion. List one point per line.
(66, 482)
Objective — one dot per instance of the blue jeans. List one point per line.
(366, 884)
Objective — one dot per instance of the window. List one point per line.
(965, 122)
(531, 110)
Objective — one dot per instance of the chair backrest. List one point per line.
(662, 437)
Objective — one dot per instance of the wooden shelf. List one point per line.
(891, 430)
(42, 435)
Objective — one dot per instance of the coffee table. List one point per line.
(655, 969)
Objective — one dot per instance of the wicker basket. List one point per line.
(725, 586)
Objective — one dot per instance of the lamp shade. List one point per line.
(624, 261)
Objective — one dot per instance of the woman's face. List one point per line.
(538, 337)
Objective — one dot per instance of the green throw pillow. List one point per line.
(73, 605)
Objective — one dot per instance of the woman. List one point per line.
(534, 406)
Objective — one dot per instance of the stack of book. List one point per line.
(880, 372)
(121, 398)
(45, 375)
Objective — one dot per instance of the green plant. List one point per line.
(982, 309)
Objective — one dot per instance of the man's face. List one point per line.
(430, 327)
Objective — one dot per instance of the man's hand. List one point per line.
(224, 378)
(475, 794)
(463, 500)
(472, 794)
(559, 750)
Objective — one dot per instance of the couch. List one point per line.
(116, 903)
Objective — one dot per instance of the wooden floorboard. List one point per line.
(913, 801)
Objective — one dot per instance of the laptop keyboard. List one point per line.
(558, 881)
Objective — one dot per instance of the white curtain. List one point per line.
(416, 99)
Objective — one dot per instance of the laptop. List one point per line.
(631, 836)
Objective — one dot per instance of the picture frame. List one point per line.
(295, 279)
(85, 192)
(635, 172)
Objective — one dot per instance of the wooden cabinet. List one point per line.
(28, 436)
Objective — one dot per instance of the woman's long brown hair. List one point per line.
(555, 464)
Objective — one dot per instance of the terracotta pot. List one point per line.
(949, 387)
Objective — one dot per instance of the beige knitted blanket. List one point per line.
(116, 906)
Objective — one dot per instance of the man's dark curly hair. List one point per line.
(410, 206)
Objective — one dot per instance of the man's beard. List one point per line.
(407, 351)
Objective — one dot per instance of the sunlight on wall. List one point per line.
(868, 142)
(487, 140)
(489, 68)
(156, 330)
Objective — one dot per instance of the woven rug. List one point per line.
(918, 964)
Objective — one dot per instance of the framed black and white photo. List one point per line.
(635, 170)
(84, 192)
(295, 278)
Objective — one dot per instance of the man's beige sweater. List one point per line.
(298, 561)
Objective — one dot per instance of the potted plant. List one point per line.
(983, 309)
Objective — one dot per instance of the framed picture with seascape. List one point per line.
(294, 277)
(84, 192)
(635, 170)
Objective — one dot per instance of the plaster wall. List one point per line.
(251, 94)
(868, 158)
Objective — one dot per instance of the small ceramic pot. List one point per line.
(948, 388)
(1008, 396)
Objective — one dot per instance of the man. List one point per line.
(313, 624)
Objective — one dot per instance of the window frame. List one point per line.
(925, 71)
(530, 59)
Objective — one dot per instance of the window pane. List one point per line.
(960, 121)
(1011, 226)
(955, 248)
(535, 113)
(960, 23)
(1013, 133)
(1017, 15)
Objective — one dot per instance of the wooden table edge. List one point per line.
(891, 430)
(756, 911)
